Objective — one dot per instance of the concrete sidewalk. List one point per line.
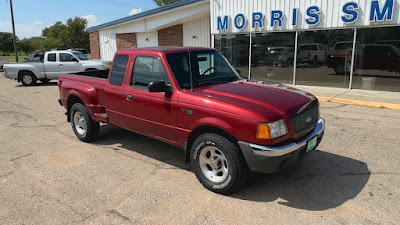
(378, 99)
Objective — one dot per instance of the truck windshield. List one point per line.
(208, 67)
(80, 55)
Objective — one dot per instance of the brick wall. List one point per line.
(94, 45)
(127, 40)
(171, 36)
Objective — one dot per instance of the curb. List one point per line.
(360, 103)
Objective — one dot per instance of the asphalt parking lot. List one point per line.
(47, 176)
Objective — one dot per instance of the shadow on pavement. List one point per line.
(320, 181)
(39, 84)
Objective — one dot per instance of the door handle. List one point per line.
(61, 65)
(129, 97)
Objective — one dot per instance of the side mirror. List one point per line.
(75, 60)
(160, 86)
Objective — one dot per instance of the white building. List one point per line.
(335, 43)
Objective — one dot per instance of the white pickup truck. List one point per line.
(55, 63)
(2, 62)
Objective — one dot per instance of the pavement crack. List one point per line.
(20, 157)
(117, 213)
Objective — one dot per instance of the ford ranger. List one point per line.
(192, 98)
(55, 63)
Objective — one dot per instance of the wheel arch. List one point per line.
(203, 130)
(72, 99)
(21, 72)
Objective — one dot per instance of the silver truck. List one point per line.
(2, 62)
(55, 63)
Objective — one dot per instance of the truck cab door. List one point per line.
(114, 95)
(68, 64)
(149, 113)
(51, 66)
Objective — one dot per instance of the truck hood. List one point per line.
(262, 96)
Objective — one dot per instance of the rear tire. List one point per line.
(84, 127)
(28, 79)
(218, 163)
(339, 69)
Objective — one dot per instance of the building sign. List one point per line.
(260, 15)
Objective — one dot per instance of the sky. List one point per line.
(31, 16)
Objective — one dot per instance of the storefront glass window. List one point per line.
(378, 59)
(272, 56)
(324, 58)
(235, 47)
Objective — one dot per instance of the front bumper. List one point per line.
(265, 159)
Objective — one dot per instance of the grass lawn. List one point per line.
(12, 58)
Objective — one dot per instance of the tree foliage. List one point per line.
(165, 2)
(6, 42)
(72, 34)
(54, 31)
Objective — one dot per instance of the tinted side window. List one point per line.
(118, 70)
(51, 57)
(65, 57)
(146, 70)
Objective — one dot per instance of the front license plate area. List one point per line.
(312, 144)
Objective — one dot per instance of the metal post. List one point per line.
(13, 26)
(353, 58)
(250, 56)
(295, 58)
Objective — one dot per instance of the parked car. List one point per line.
(396, 43)
(280, 56)
(336, 58)
(55, 63)
(36, 57)
(380, 57)
(2, 62)
(311, 53)
(83, 50)
(226, 125)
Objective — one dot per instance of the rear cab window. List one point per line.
(148, 69)
(118, 70)
(51, 57)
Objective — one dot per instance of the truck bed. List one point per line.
(94, 73)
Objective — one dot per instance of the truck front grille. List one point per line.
(305, 121)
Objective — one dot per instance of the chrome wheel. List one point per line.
(27, 79)
(80, 123)
(213, 164)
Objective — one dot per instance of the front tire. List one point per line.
(84, 127)
(28, 79)
(218, 163)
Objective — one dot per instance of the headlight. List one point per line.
(272, 130)
(106, 65)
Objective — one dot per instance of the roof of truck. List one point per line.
(164, 49)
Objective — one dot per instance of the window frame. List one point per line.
(141, 87)
(55, 58)
(69, 55)
(112, 68)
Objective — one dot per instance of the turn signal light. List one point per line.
(263, 131)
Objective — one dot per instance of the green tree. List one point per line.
(75, 34)
(25, 46)
(165, 2)
(6, 42)
(54, 31)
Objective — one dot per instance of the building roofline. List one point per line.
(143, 14)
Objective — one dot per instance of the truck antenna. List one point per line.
(190, 71)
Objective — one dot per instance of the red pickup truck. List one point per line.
(192, 98)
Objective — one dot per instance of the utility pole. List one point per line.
(13, 26)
